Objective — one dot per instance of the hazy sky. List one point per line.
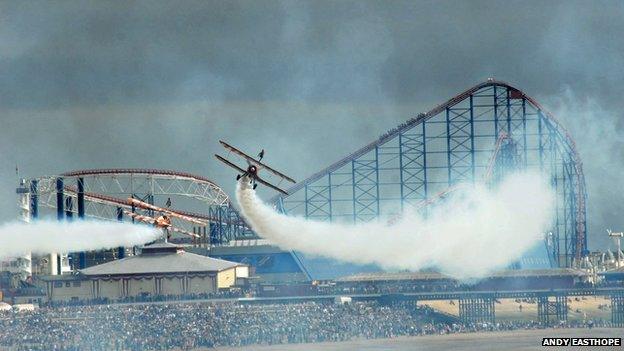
(156, 84)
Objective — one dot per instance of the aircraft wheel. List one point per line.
(238, 177)
(255, 186)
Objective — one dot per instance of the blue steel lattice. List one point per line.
(452, 143)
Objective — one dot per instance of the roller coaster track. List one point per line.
(101, 187)
(209, 190)
(125, 203)
(423, 117)
(561, 132)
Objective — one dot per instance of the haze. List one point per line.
(155, 84)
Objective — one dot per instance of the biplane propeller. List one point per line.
(253, 167)
(164, 220)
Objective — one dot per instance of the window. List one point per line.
(67, 284)
(58, 284)
(76, 284)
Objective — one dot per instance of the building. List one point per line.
(270, 263)
(162, 269)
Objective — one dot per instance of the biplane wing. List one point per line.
(145, 205)
(230, 164)
(263, 182)
(139, 217)
(181, 231)
(150, 220)
(255, 162)
(258, 179)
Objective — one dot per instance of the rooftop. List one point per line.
(160, 258)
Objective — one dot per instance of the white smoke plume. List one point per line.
(473, 232)
(46, 236)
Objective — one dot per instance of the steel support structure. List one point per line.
(477, 310)
(60, 215)
(80, 185)
(551, 312)
(100, 193)
(69, 208)
(34, 199)
(453, 143)
(103, 194)
(121, 251)
(617, 310)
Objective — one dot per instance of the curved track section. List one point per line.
(449, 144)
(152, 181)
(104, 193)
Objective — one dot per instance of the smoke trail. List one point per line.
(17, 238)
(473, 232)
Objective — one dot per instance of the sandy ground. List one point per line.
(508, 309)
(519, 340)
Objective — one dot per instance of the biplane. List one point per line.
(253, 167)
(163, 221)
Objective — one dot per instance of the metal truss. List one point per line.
(450, 144)
(103, 194)
(477, 310)
(551, 312)
(121, 182)
(617, 310)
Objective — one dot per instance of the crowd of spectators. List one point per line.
(165, 326)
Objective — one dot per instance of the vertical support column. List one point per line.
(34, 199)
(204, 239)
(353, 189)
(472, 141)
(617, 310)
(69, 207)
(329, 195)
(401, 180)
(365, 173)
(413, 165)
(508, 102)
(60, 200)
(424, 152)
(551, 312)
(55, 258)
(121, 251)
(477, 310)
(448, 145)
(82, 257)
(307, 213)
(495, 115)
(561, 309)
(524, 135)
(540, 139)
(213, 238)
(378, 209)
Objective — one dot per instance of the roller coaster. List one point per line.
(104, 194)
(480, 133)
(450, 144)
